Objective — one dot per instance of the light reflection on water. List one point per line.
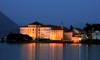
(49, 51)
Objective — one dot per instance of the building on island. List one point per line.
(51, 32)
(75, 35)
(40, 31)
(45, 32)
(78, 35)
(68, 35)
(56, 33)
(32, 30)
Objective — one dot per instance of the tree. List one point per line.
(88, 27)
(71, 27)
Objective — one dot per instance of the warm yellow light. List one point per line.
(76, 39)
(53, 37)
(79, 38)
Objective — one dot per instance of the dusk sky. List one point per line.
(70, 12)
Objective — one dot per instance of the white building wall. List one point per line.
(96, 35)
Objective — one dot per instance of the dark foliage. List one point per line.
(71, 27)
(18, 38)
(92, 27)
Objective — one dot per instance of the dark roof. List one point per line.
(53, 27)
(79, 29)
(66, 29)
(23, 26)
(36, 23)
(46, 25)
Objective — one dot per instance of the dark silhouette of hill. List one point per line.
(7, 26)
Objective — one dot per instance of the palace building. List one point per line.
(40, 31)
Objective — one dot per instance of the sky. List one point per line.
(68, 12)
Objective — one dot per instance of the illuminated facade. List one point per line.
(32, 30)
(75, 35)
(27, 30)
(56, 35)
(76, 38)
(39, 31)
(45, 32)
(78, 35)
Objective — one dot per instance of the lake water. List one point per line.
(49, 51)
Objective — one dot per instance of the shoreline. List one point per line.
(89, 41)
(49, 41)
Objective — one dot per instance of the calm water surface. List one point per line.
(49, 51)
